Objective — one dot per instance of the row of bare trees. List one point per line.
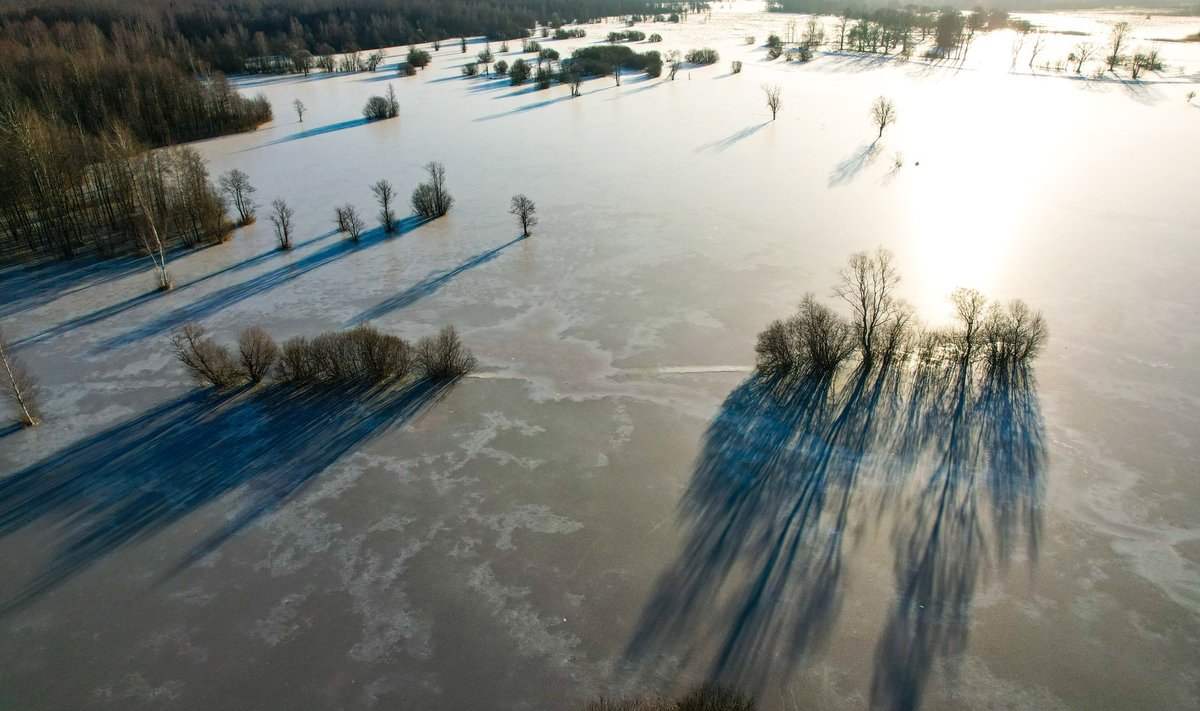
(883, 330)
(362, 354)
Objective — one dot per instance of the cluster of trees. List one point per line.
(574, 33)
(703, 55)
(429, 200)
(382, 107)
(705, 697)
(883, 330)
(603, 60)
(362, 354)
(627, 36)
(63, 193)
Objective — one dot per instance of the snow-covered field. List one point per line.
(523, 540)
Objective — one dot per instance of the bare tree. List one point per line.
(867, 283)
(20, 386)
(204, 359)
(354, 223)
(385, 194)
(1120, 32)
(524, 208)
(1039, 41)
(575, 79)
(814, 341)
(1189, 96)
(883, 113)
(431, 199)
(258, 353)
(236, 186)
(281, 216)
(300, 108)
(970, 307)
(1081, 53)
(773, 100)
(444, 357)
(1017, 45)
(339, 218)
(141, 172)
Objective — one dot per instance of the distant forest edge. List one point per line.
(206, 36)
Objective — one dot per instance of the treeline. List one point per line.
(207, 36)
(63, 192)
(883, 330)
(362, 354)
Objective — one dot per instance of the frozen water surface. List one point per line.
(614, 504)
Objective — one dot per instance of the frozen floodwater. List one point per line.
(600, 509)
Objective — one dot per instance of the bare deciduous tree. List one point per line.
(431, 199)
(524, 209)
(20, 386)
(812, 342)
(354, 223)
(300, 108)
(1081, 53)
(883, 113)
(970, 307)
(1116, 40)
(236, 186)
(258, 353)
(281, 216)
(444, 357)
(1039, 41)
(140, 171)
(867, 283)
(386, 195)
(773, 101)
(204, 359)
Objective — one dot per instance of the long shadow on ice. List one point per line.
(235, 293)
(28, 286)
(858, 161)
(133, 302)
(309, 133)
(758, 584)
(130, 481)
(429, 284)
(731, 140)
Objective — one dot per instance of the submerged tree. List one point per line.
(20, 386)
(1116, 41)
(236, 186)
(1080, 54)
(524, 209)
(444, 357)
(385, 194)
(883, 113)
(258, 353)
(300, 108)
(431, 199)
(352, 221)
(773, 100)
(281, 217)
(204, 359)
(382, 107)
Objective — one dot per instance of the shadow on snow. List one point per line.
(758, 584)
(130, 481)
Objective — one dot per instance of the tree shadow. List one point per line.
(980, 500)
(862, 157)
(119, 308)
(728, 142)
(526, 107)
(28, 286)
(429, 285)
(758, 584)
(133, 480)
(235, 293)
(309, 133)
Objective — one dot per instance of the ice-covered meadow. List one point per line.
(604, 507)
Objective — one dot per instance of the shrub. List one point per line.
(258, 353)
(814, 341)
(382, 107)
(444, 357)
(530, 46)
(204, 359)
(774, 52)
(431, 199)
(561, 34)
(518, 72)
(706, 697)
(470, 69)
(634, 36)
(599, 60)
(418, 58)
(543, 77)
(655, 37)
(736, 67)
(295, 363)
(501, 67)
(749, 39)
(704, 55)
(361, 354)
(406, 70)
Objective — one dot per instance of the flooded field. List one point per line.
(614, 503)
